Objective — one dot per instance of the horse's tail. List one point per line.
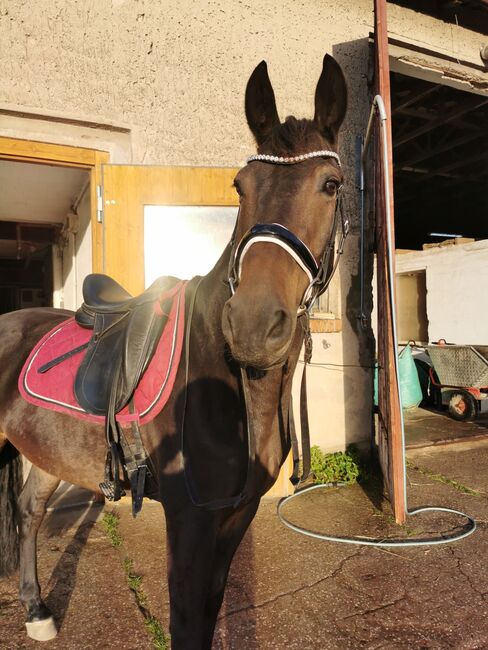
(10, 487)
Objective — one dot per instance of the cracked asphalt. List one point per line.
(286, 590)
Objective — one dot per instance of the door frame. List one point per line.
(58, 155)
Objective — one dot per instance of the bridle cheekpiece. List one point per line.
(319, 273)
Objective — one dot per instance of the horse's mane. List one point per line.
(293, 137)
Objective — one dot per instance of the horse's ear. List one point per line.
(330, 99)
(261, 111)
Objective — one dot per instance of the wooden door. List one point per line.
(127, 190)
(390, 440)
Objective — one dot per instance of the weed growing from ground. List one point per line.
(441, 478)
(340, 467)
(160, 640)
(110, 524)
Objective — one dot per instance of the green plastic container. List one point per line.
(410, 389)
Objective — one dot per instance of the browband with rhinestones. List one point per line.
(280, 160)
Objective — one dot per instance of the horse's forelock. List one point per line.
(293, 137)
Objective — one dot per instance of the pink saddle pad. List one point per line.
(53, 389)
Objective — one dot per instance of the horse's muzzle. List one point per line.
(256, 336)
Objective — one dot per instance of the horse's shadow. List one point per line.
(63, 576)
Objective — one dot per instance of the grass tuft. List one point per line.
(159, 637)
(110, 524)
(160, 640)
(441, 478)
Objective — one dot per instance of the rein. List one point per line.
(319, 275)
(225, 502)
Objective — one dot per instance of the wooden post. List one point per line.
(389, 417)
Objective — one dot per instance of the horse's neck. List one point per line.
(212, 293)
(209, 358)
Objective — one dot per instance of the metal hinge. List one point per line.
(99, 204)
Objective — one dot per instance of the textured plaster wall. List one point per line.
(174, 73)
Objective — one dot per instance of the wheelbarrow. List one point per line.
(460, 375)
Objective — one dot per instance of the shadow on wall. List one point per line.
(358, 344)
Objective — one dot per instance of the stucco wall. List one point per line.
(173, 73)
(455, 277)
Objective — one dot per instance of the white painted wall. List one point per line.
(77, 254)
(333, 394)
(457, 281)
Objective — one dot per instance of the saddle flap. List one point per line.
(120, 349)
(140, 340)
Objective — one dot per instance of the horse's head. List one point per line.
(283, 245)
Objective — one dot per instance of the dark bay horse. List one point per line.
(290, 190)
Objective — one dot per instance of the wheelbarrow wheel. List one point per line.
(463, 406)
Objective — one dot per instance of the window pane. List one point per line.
(184, 240)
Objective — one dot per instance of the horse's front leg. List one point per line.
(32, 507)
(229, 537)
(191, 534)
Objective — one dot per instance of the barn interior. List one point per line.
(41, 211)
(440, 151)
(440, 156)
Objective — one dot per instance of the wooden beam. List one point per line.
(430, 117)
(46, 153)
(435, 151)
(442, 120)
(425, 175)
(34, 232)
(390, 443)
(415, 98)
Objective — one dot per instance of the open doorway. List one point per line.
(45, 237)
(440, 151)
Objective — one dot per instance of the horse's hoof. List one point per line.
(43, 630)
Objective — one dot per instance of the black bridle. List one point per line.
(319, 273)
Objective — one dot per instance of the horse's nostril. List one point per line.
(280, 326)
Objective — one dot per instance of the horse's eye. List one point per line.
(331, 187)
(238, 189)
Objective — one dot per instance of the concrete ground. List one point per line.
(424, 427)
(285, 590)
